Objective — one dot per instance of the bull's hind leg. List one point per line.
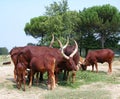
(24, 81)
(110, 67)
(53, 81)
(15, 75)
(37, 78)
(51, 76)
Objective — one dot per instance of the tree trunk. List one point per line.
(102, 40)
(86, 51)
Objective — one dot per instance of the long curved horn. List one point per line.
(76, 49)
(62, 49)
(65, 56)
(52, 41)
(64, 45)
(61, 46)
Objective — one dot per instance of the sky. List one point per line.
(14, 14)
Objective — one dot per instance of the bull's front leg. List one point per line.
(92, 67)
(96, 66)
(73, 76)
(51, 80)
(65, 75)
(68, 76)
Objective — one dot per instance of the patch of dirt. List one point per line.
(8, 88)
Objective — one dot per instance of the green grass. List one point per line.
(68, 90)
(84, 78)
(1, 85)
(88, 77)
(4, 58)
(78, 94)
(73, 91)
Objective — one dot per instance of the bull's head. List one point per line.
(84, 65)
(69, 59)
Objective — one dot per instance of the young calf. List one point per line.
(21, 73)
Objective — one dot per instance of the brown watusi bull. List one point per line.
(68, 50)
(43, 63)
(101, 56)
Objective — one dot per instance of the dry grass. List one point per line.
(82, 89)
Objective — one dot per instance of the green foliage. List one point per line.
(93, 28)
(37, 26)
(3, 51)
(103, 21)
(57, 8)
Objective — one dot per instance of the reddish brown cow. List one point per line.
(101, 56)
(42, 64)
(14, 54)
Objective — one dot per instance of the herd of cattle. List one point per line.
(41, 59)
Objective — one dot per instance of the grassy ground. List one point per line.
(85, 78)
(88, 85)
(67, 90)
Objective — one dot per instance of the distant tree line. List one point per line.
(3, 51)
(93, 28)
